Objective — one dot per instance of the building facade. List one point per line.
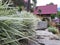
(45, 11)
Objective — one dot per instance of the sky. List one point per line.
(44, 2)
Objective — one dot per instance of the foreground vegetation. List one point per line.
(15, 27)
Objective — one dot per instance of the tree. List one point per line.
(15, 2)
(50, 3)
(35, 1)
(18, 2)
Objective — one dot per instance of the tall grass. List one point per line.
(16, 27)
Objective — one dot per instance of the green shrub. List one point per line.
(53, 30)
(53, 16)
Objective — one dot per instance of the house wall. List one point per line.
(41, 16)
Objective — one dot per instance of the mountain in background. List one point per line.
(58, 9)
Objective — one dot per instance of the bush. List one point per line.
(53, 16)
(53, 30)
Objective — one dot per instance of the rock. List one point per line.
(46, 35)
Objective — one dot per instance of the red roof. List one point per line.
(48, 9)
